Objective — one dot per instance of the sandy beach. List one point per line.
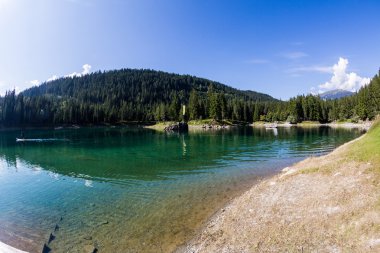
(321, 204)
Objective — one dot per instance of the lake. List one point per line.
(133, 189)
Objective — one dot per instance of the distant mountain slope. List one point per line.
(140, 86)
(335, 94)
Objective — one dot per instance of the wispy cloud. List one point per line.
(294, 55)
(257, 61)
(320, 69)
(342, 79)
(35, 82)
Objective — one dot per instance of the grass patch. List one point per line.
(200, 122)
(308, 123)
(326, 169)
(164, 123)
(209, 122)
(367, 149)
(309, 170)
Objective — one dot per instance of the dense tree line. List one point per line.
(146, 95)
(115, 96)
(365, 104)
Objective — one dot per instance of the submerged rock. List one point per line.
(103, 223)
(88, 237)
(90, 249)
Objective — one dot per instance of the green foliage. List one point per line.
(292, 119)
(194, 105)
(147, 95)
(119, 96)
(367, 148)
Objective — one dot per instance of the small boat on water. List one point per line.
(39, 140)
(24, 140)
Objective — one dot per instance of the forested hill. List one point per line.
(145, 95)
(125, 95)
(145, 87)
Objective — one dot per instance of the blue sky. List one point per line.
(282, 48)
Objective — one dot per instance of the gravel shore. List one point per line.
(322, 204)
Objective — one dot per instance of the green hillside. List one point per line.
(123, 95)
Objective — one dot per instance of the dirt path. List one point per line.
(324, 204)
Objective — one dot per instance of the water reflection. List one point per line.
(120, 153)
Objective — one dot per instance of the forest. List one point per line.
(129, 96)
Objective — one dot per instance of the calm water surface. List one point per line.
(135, 190)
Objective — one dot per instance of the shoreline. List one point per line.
(365, 125)
(313, 205)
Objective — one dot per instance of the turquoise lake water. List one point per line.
(133, 189)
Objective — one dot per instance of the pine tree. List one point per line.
(194, 107)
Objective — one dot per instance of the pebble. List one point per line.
(88, 237)
(103, 223)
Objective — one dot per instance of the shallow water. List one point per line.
(135, 190)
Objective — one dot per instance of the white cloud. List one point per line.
(86, 70)
(17, 89)
(294, 55)
(343, 80)
(54, 77)
(34, 82)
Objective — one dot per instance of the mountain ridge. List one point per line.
(336, 94)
